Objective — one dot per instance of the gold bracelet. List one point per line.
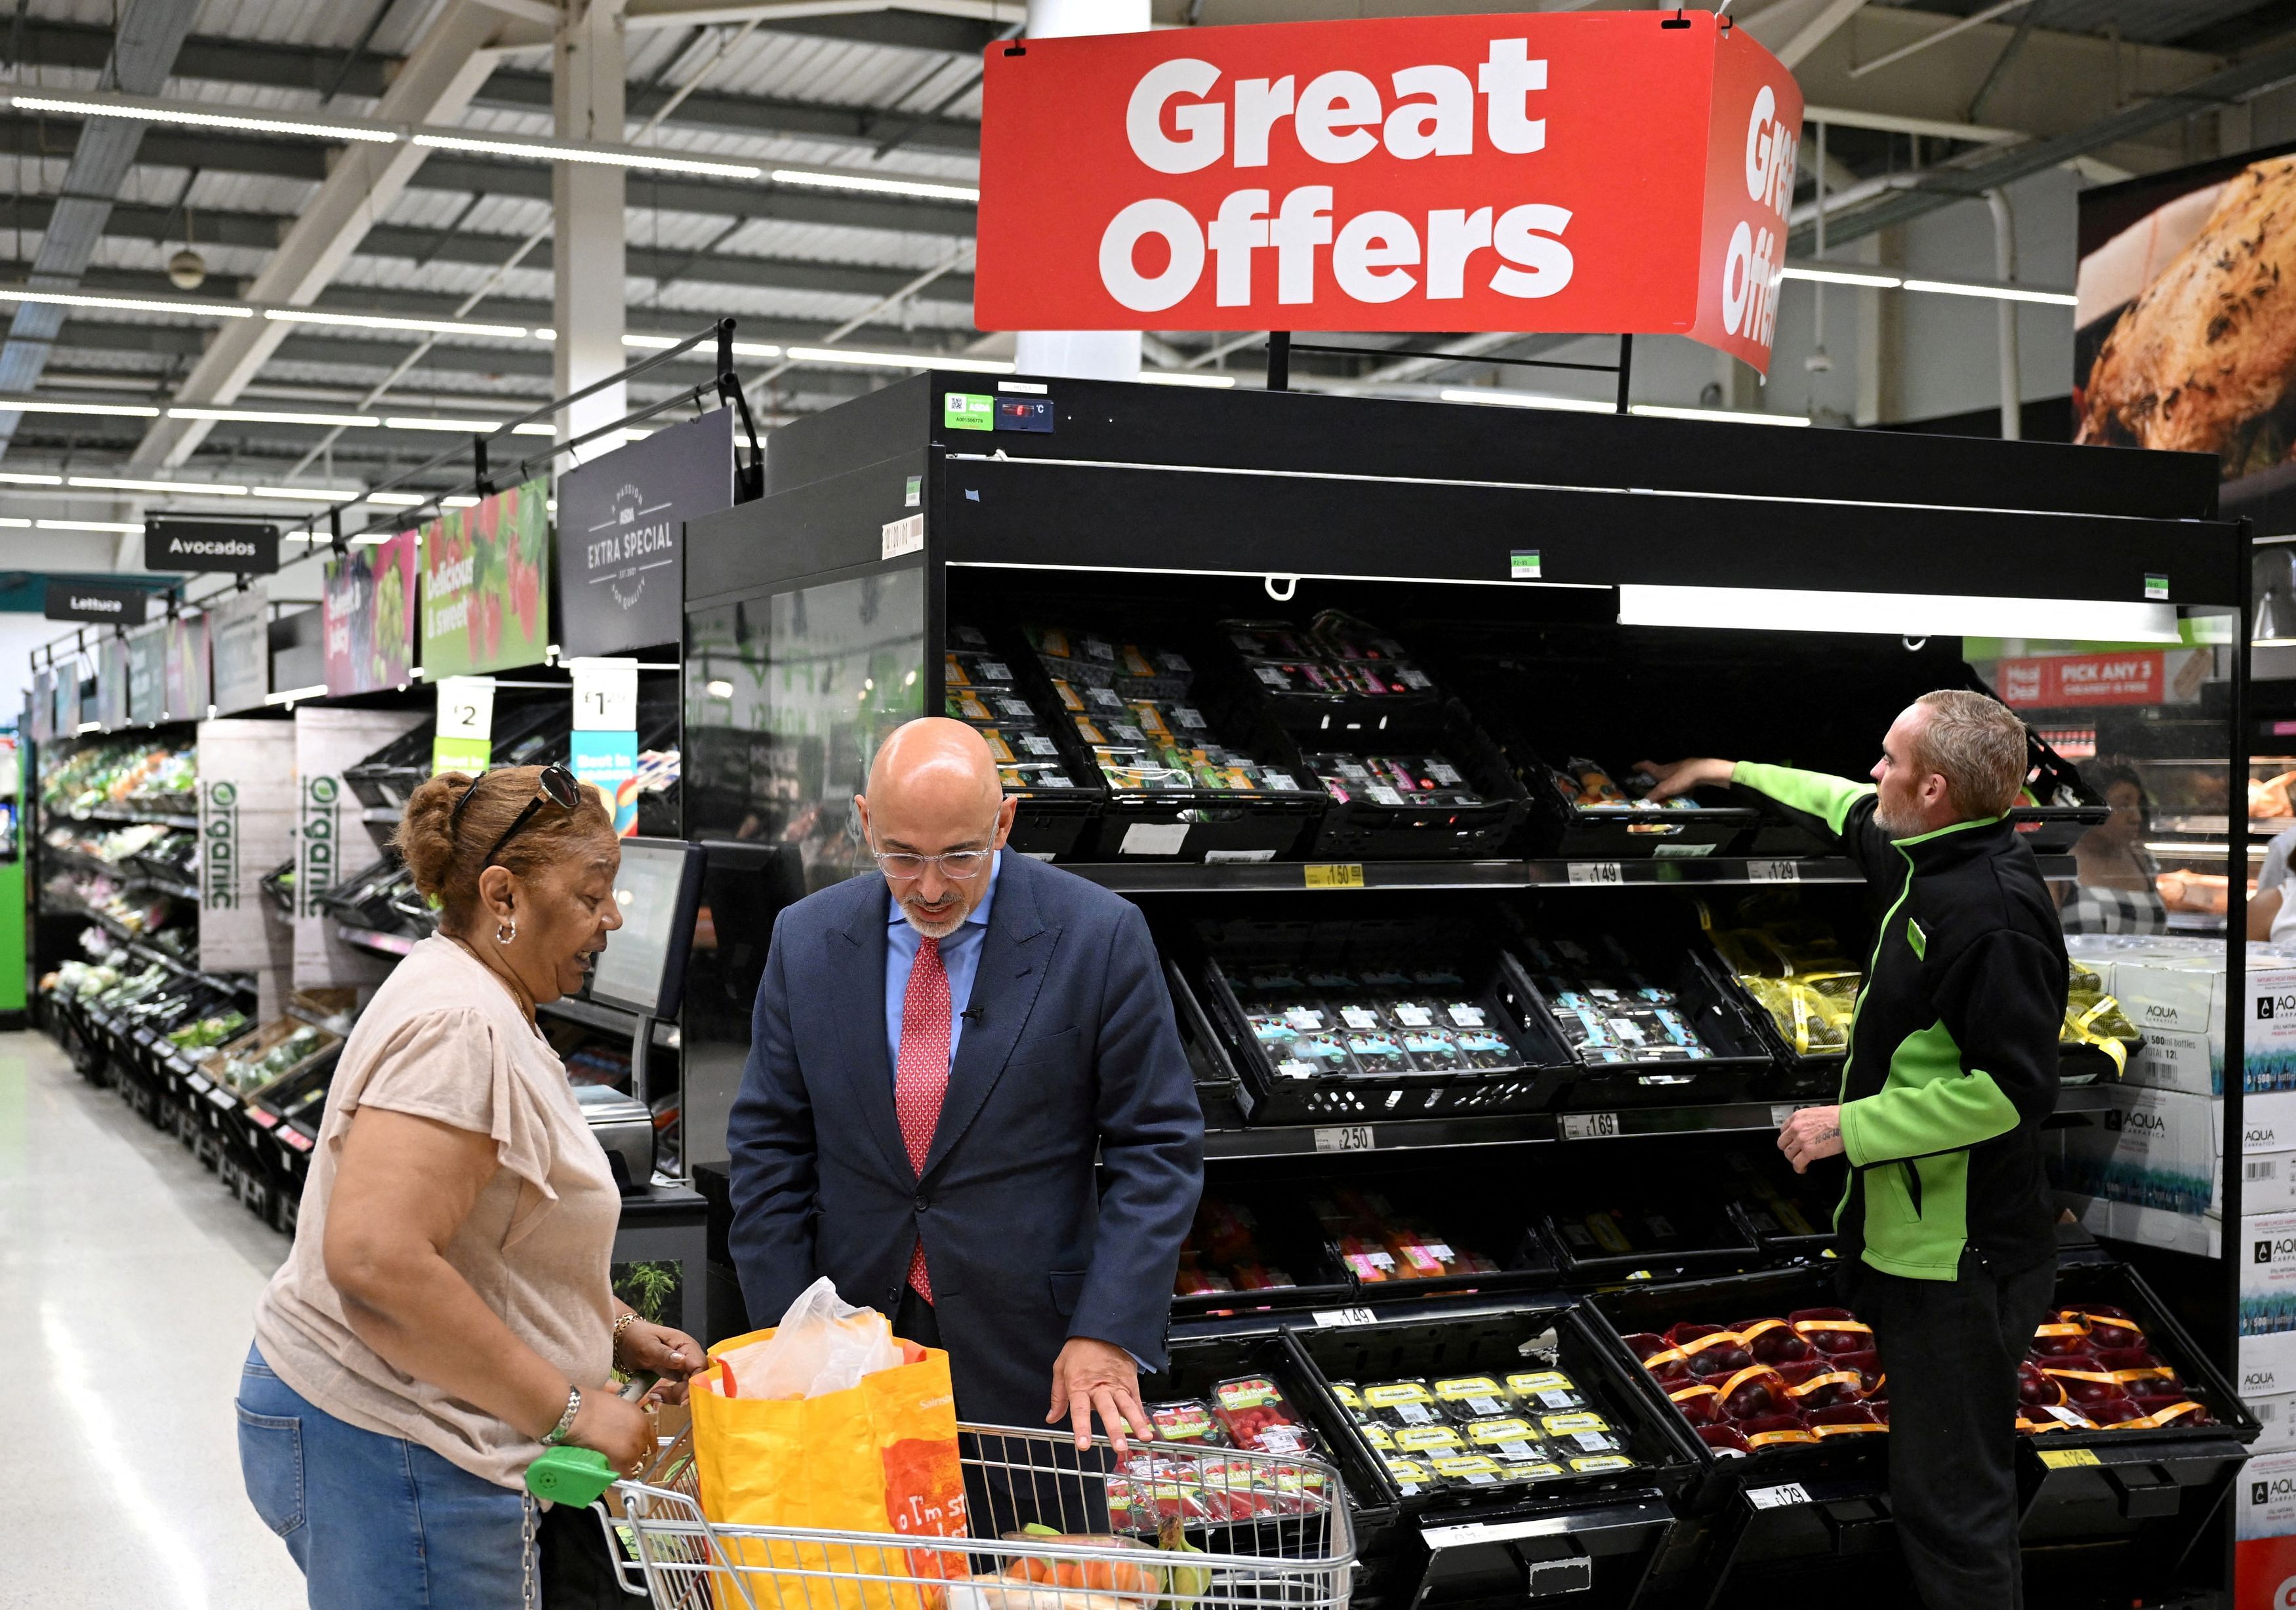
(621, 1325)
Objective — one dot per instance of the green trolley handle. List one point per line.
(568, 1474)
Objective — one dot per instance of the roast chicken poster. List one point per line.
(2185, 332)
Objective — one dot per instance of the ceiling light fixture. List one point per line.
(1524, 399)
(1732, 416)
(134, 411)
(1896, 614)
(900, 360)
(1999, 293)
(14, 523)
(924, 188)
(1180, 377)
(112, 483)
(143, 110)
(15, 479)
(400, 421)
(273, 416)
(305, 495)
(75, 298)
(1843, 276)
(541, 152)
(376, 321)
(90, 524)
(397, 500)
(663, 343)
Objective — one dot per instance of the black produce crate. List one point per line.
(2120, 1285)
(1741, 1068)
(2053, 829)
(1809, 1070)
(1285, 1237)
(2063, 806)
(1464, 942)
(1790, 1215)
(1197, 1363)
(384, 779)
(1219, 1093)
(1495, 1221)
(278, 887)
(1560, 828)
(1328, 699)
(1048, 820)
(382, 898)
(1595, 1534)
(1365, 830)
(1648, 1230)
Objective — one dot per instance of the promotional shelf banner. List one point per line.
(247, 827)
(621, 533)
(485, 585)
(368, 616)
(330, 845)
(111, 684)
(183, 680)
(69, 714)
(239, 637)
(1421, 172)
(147, 653)
(42, 708)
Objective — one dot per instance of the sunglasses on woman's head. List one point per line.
(556, 786)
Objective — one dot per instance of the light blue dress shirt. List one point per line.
(960, 957)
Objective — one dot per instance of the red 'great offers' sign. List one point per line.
(1613, 171)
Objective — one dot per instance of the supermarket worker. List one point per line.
(939, 1057)
(1947, 1228)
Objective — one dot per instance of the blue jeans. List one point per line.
(375, 1522)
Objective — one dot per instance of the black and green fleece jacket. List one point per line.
(1953, 1044)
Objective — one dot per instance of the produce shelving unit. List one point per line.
(1566, 551)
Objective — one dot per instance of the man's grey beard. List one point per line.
(1892, 827)
(933, 931)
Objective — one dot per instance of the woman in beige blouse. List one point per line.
(446, 1311)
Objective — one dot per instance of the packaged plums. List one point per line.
(1775, 1430)
(1832, 1330)
(1258, 1418)
(1709, 1350)
(1773, 1342)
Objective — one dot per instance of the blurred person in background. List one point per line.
(2116, 889)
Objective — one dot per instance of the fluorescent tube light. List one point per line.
(1998, 293)
(603, 158)
(112, 483)
(925, 187)
(149, 111)
(1657, 411)
(463, 501)
(1843, 276)
(305, 495)
(662, 343)
(1524, 399)
(400, 421)
(376, 321)
(15, 479)
(74, 299)
(274, 416)
(1896, 614)
(899, 360)
(91, 525)
(1182, 377)
(397, 500)
(134, 411)
(14, 524)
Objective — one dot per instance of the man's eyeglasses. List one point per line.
(556, 786)
(958, 865)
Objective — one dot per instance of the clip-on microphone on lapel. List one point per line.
(971, 1014)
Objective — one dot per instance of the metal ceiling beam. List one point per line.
(294, 159)
(261, 231)
(294, 67)
(435, 84)
(150, 34)
(1941, 187)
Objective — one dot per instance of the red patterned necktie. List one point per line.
(920, 1081)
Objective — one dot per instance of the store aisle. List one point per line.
(128, 1284)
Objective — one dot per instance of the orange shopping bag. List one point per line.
(879, 1456)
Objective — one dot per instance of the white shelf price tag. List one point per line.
(605, 695)
(1779, 1497)
(466, 707)
(1590, 1126)
(1325, 1318)
(1598, 871)
(1353, 1138)
(1781, 1112)
(1774, 871)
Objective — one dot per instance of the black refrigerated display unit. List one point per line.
(1351, 696)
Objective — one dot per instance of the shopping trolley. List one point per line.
(1274, 1531)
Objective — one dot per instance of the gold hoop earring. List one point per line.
(505, 932)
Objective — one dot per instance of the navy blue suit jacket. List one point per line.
(1071, 1053)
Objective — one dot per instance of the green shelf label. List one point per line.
(967, 411)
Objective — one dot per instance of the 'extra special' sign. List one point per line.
(1422, 173)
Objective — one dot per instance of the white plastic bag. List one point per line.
(822, 1345)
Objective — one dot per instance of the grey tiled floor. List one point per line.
(128, 1284)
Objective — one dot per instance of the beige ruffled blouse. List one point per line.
(444, 1040)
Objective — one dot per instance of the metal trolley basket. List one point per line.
(1275, 1532)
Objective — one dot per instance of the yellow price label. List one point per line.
(1335, 875)
(2068, 1458)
